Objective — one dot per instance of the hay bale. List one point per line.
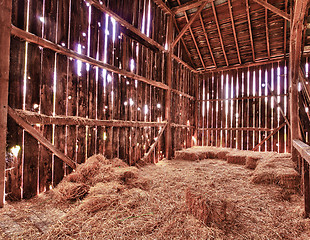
(97, 203)
(236, 158)
(70, 191)
(186, 155)
(278, 171)
(222, 154)
(251, 161)
(207, 209)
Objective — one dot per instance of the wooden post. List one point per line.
(295, 56)
(168, 92)
(196, 106)
(5, 36)
(306, 181)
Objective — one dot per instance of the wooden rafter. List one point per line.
(189, 23)
(267, 32)
(285, 30)
(164, 7)
(273, 9)
(207, 39)
(250, 28)
(183, 43)
(219, 32)
(234, 29)
(189, 5)
(193, 36)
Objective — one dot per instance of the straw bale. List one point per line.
(251, 161)
(278, 171)
(206, 208)
(222, 154)
(186, 155)
(236, 158)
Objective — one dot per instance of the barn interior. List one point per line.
(154, 119)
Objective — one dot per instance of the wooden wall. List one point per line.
(47, 83)
(239, 108)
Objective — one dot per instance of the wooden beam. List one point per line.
(245, 65)
(168, 137)
(124, 23)
(219, 32)
(250, 28)
(234, 29)
(196, 45)
(29, 37)
(189, 23)
(242, 98)
(183, 63)
(36, 118)
(189, 5)
(207, 39)
(183, 42)
(164, 7)
(267, 32)
(269, 136)
(274, 9)
(285, 31)
(300, 9)
(146, 156)
(5, 37)
(38, 136)
(238, 128)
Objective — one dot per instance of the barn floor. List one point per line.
(153, 207)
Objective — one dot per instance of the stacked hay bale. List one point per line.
(278, 170)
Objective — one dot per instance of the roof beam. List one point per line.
(267, 32)
(234, 29)
(285, 30)
(250, 28)
(207, 39)
(163, 7)
(189, 5)
(189, 23)
(274, 9)
(182, 40)
(219, 32)
(193, 38)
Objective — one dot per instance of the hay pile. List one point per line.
(277, 170)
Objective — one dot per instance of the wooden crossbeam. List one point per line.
(36, 118)
(164, 7)
(234, 29)
(189, 23)
(219, 32)
(274, 9)
(29, 37)
(207, 39)
(269, 136)
(250, 28)
(38, 136)
(189, 5)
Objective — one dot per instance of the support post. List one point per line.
(168, 93)
(196, 107)
(5, 36)
(295, 56)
